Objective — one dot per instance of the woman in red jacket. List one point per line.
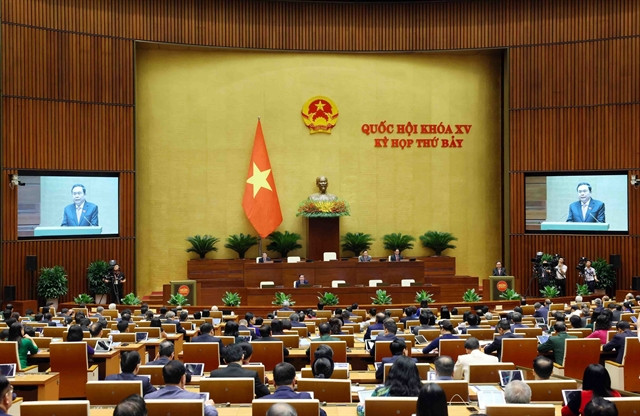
(596, 382)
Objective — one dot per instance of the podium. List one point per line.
(187, 288)
(323, 234)
(66, 231)
(499, 284)
(574, 226)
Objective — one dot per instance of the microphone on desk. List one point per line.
(594, 217)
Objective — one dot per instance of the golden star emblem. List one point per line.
(259, 179)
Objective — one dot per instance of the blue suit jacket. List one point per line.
(146, 384)
(595, 212)
(89, 215)
(617, 343)
(286, 392)
(372, 327)
(175, 392)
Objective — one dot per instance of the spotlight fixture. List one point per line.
(634, 181)
(15, 181)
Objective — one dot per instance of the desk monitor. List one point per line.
(506, 376)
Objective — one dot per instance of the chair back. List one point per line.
(124, 337)
(112, 313)
(383, 349)
(423, 370)
(257, 367)
(70, 360)
(293, 259)
(153, 332)
(41, 342)
(631, 364)
(202, 352)
(429, 334)
(157, 407)
(85, 334)
(289, 341)
(169, 328)
(339, 350)
(9, 353)
(348, 338)
(626, 405)
(305, 407)
(227, 340)
(329, 255)
(55, 407)
(323, 314)
(487, 373)
(452, 347)
(110, 393)
(155, 371)
(327, 390)
(456, 391)
(521, 410)
(53, 331)
(520, 351)
(269, 353)
(549, 390)
(529, 332)
(338, 373)
(578, 354)
(302, 331)
(229, 389)
(484, 334)
(385, 406)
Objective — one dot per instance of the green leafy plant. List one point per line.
(178, 300)
(95, 275)
(231, 299)
(356, 242)
(471, 296)
(546, 257)
(437, 241)
(423, 295)
(381, 298)
(510, 294)
(83, 299)
(201, 245)
(283, 243)
(241, 243)
(398, 241)
(582, 290)
(131, 299)
(52, 283)
(328, 298)
(280, 297)
(606, 274)
(550, 291)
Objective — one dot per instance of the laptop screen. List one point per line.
(195, 369)
(141, 336)
(8, 370)
(103, 345)
(507, 376)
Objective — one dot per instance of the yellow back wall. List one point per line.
(196, 114)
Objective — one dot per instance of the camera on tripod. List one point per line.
(582, 264)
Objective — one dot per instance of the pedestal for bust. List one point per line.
(323, 234)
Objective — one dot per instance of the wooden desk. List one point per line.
(140, 347)
(108, 362)
(48, 386)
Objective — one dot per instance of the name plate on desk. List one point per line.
(64, 231)
(574, 226)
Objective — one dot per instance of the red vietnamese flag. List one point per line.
(260, 200)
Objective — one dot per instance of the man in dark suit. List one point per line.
(375, 327)
(398, 348)
(617, 342)
(540, 311)
(233, 356)
(129, 364)
(396, 256)
(586, 209)
(499, 270)
(516, 317)
(301, 281)
(265, 335)
(170, 315)
(284, 377)
(175, 378)
(390, 331)
(165, 354)
(81, 212)
(264, 258)
(504, 329)
(206, 335)
(556, 343)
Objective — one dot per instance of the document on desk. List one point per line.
(416, 350)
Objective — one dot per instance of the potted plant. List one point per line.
(283, 243)
(606, 275)
(241, 243)
(550, 291)
(398, 241)
(328, 298)
(510, 294)
(423, 296)
(231, 299)
(471, 296)
(280, 298)
(582, 290)
(178, 300)
(131, 299)
(356, 242)
(83, 299)
(201, 245)
(95, 279)
(437, 241)
(52, 284)
(381, 298)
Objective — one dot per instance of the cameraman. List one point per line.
(590, 277)
(561, 276)
(114, 279)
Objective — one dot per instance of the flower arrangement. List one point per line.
(310, 208)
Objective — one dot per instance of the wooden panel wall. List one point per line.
(68, 93)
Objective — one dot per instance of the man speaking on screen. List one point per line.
(81, 212)
(586, 209)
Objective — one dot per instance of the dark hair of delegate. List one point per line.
(323, 351)
(431, 401)
(173, 371)
(596, 378)
(603, 322)
(403, 379)
(166, 349)
(247, 349)
(599, 406)
(15, 332)
(75, 333)
(129, 360)
(543, 366)
(322, 367)
(283, 374)
(233, 353)
(133, 405)
(231, 329)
